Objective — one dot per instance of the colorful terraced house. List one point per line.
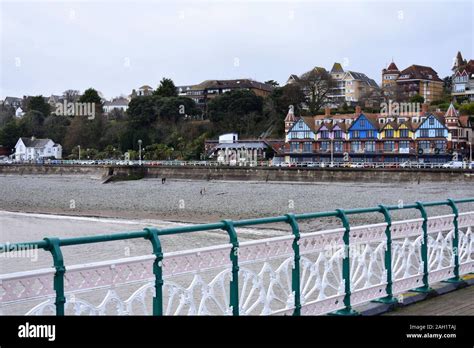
(433, 137)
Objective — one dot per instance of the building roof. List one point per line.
(363, 77)
(290, 117)
(419, 72)
(145, 87)
(12, 99)
(337, 68)
(468, 67)
(451, 112)
(392, 67)
(309, 120)
(117, 102)
(246, 145)
(33, 142)
(232, 84)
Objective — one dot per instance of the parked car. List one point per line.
(453, 165)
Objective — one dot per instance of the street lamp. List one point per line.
(139, 152)
(332, 152)
(470, 152)
(79, 147)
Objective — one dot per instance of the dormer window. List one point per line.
(381, 120)
(415, 119)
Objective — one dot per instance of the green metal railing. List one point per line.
(55, 245)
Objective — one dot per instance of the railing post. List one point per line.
(424, 250)
(54, 248)
(234, 257)
(346, 266)
(389, 299)
(157, 270)
(295, 273)
(456, 277)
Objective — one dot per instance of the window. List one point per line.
(404, 144)
(324, 146)
(300, 125)
(356, 134)
(307, 147)
(338, 146)
(431, 121)
(362, 123)
(389, 146)
(389, 133)
(294, 147)
(403, 133)
(370, 134)
(355, 146)
(338, 134)
(325, 134)
(424, 133)
(370, 146)
(425, 145)
(440, 145)
(382, 120)
(439, 133)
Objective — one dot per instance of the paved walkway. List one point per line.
(458, 302)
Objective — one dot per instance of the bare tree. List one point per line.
(71, 95)
(316, 85)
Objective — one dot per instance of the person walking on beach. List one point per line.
(163, 180)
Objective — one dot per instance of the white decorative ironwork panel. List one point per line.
(368, 233)
(325, 306)
(440, 223)
(368, 265)
(202, 259)
(368, 294)
(407, 228)
(266, 249)
(407, 283)
(406, 257)
(466, 219)
(26, 285)
(318, 241)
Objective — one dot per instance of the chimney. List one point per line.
(424, 108)
(327, 111)
(358, 110)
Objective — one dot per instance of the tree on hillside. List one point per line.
(272, 83)
(71, 95)
(141, 112)
(9, 134)
(166, 88)
(92, 96)
(316, 85)
(417, 99)
(39, 106)
(237, 111)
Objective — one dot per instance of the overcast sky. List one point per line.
(115, 46)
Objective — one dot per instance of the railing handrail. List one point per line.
(43, 244)
(343, 301)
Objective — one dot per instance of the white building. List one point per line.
(33, 149)
(19, 113)
(119, 103)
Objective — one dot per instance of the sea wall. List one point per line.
(247, 173)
